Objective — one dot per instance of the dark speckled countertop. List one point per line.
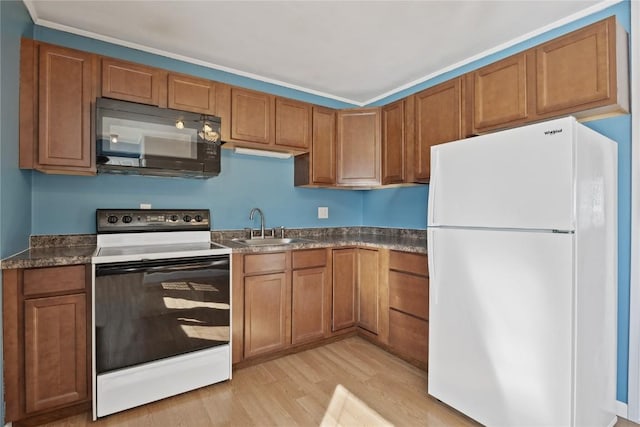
(49, 251)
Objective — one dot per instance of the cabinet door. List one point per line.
(323, 146)
(132, 82)
(55, 351)
(66, 79)
(576, 69)
(251, 116)
(393, 143)
(191, 94)
(266, 321)
(409, 336)
(500, 95)
(344, 288)
(309, 287)
(358, 147)
(293, 124)
(439, 118)
(368, 289)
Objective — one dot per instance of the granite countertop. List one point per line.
(51, 251)
(399, 243)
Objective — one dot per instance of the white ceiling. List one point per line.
(353, 51)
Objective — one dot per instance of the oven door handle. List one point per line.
(108, 270)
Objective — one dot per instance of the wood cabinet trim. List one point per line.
(12, 344)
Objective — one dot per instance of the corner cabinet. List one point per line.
(318, 166)
(56, 98)
(46, 331)
(358, 147)
(345, 272)
(394, 142)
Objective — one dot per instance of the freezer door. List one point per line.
(519, 178)
(500, 312)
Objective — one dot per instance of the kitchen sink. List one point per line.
(268, 241)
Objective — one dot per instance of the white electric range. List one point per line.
(161, 307)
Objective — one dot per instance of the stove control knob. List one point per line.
(186, 218)
(198, 218)
(127, 219)
(112, 219)
(174, 218)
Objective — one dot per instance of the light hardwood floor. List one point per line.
(297, 390)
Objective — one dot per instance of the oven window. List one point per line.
(146, 311)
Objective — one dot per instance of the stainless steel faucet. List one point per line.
(253, 211)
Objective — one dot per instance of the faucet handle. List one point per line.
(248, 232)
(282, 231)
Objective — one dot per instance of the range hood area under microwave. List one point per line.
(141, 139)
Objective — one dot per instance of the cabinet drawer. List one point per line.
(265, 263)
(309, 258)
(38, 281)
(409, 335)
(411, 263)
(409, 294)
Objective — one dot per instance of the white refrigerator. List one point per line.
(522, 250)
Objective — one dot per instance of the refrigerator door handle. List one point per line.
(431, 265)
(432, 188)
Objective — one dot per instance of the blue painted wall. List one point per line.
(407, 207)
(66, 204)
(15, 185)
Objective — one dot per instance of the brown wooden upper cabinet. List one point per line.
(251, 116)
(133, 82)
(191, 94)
(358, 147)
(318, 166)
(394, 142)
(293, 124)
(583, 70)
(57, 91)
(439, 117)
(501, 92)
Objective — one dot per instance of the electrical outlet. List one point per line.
(323, 213)
(145, 205)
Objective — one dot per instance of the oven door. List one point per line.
(155, 309)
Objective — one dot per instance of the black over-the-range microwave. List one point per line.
(146, 140)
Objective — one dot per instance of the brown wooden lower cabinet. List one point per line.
(311, 296)
(368, 289)
(409, 335)
(344, 288)
(46, 327)
(266, 314)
